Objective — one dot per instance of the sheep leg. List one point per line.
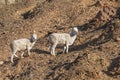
(29, 51)
(52, 52)
(15, 55)
(53, 49)
(12, 56)
(67, 48)
(64, 49)
(22, 55)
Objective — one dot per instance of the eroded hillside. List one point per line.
(95, 54)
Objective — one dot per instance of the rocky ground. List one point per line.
(95, 54)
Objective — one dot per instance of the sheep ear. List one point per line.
(34, 31)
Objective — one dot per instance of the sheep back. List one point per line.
(20, 44)
(60, 38)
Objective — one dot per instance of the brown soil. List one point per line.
(95, 54)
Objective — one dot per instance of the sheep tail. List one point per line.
(48, 34)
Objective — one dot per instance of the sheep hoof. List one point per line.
(22, 57)
(29, 54)
(53, 54)
(16, 56)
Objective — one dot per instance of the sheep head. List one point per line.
(33, 37)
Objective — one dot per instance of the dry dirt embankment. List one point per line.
(95, 55)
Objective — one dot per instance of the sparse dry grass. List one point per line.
(91, 57)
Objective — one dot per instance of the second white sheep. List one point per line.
(22, 44)
(66, 39)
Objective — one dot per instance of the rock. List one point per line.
(98, 3)
(110, 11)
(93, 57)
(1, 62)
(106, 13)
(118, 39)
(102, 16)
(7, 1)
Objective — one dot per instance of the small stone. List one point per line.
(98, 3)
(118, 39)
(1, 62)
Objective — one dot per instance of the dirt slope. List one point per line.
(95, 54)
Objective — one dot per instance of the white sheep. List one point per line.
(66, 39)
(22, 44)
